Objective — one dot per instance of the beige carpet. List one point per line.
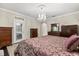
(11, 49)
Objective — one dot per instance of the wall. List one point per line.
(44, 29)
(7, 17)
(66, 19)
(33, 23)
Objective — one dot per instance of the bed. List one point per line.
(43, 46)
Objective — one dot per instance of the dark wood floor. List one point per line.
(5, 51)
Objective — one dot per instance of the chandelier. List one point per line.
(42, 13)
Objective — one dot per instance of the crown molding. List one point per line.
(14, 12)
(71, 13)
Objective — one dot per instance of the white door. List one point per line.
(44, 29)
(18, 30)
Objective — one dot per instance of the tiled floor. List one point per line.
(11, 49)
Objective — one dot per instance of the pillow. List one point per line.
(70, 41)
(75, 46)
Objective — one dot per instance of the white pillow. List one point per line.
(1, 52)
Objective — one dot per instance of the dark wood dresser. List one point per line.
(5, 36)
(68, 30)
(55, 33)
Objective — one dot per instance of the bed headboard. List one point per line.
(68, 30)
(5, 36)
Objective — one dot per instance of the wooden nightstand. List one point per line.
(55, 33)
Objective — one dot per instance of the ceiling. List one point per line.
(51, 9)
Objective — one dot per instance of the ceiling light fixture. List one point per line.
(42, 13)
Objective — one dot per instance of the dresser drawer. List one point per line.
(54, 33)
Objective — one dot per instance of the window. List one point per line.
(18, 31)
(18, 28)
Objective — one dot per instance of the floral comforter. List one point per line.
(43, 46)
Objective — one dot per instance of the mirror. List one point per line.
(55, 27)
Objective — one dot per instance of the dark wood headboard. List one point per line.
(5, 36)
(68, 30)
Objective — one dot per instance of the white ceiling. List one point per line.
(51, 9)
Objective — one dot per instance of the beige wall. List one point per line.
(67, 19)
(7, 17)
(32, 24)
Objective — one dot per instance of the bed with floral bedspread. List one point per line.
(43, 46)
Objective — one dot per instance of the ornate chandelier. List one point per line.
(42, 14)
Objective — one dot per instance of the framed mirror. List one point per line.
(55, 27)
